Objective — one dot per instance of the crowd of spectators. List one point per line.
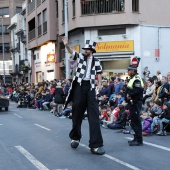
(114, 113)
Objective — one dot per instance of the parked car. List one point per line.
(4, 103)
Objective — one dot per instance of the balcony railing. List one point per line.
(31, 6)
(44, 27)
(101, 6)
(31, 35)
(39, 30)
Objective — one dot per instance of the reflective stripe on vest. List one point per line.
(130, 84)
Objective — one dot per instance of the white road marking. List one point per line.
(154, 145)
(31, 158)
(114, 159)
(17, 115)
(1, 124)
(42, 127)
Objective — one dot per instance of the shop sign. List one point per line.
(115, 46)
(76, 48)
(51, 58)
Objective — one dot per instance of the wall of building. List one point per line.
(150, 13)
(155, 38)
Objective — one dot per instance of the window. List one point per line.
(5, 30)
(45, 21)
(37, 56)
(63, 11)
(6, 47)
(135, 5)
(18, 9)
(101, 6)
(74, 8)
(26, 53)
(113, 31)
(63, 16)
(31, 6)
(39, 24)
(4, 11)
(38, 2)
(31, 29)
(56, 8)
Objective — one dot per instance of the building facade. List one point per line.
(41, 40)
(8, 8)
(122, 30)
(21, 57)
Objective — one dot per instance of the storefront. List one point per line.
(115, 57)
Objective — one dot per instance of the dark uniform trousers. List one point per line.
(136, 125)
(84, 98)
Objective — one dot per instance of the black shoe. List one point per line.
(135, 143)
(130, 141)
(74, 144)
(98, 151)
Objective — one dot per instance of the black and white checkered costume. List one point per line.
(90, 44)
(96, 68)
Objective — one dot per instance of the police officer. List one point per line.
(134, 97)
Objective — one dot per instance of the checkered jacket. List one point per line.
(81, 68)
(96, 68)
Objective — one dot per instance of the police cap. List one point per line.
(132, 67)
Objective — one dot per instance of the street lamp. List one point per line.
(2, 22)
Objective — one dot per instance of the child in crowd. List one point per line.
(120, 98)
(121, 120)
(66, 112)
(164, 118)
(45, 103)
(104, 115)
(147, 106)
(155, 111)
(146, 124)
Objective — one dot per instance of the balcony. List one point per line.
(24, 65)
(15, 70)
(101, 6)
(31, 35)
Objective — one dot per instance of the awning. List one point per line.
(113, 56)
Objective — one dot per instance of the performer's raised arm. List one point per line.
(65, 42)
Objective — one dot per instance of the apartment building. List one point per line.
(8, 8)
(21, 57)
(41, 19)
(123, 29)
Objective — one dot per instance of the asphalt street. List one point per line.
(32, 139)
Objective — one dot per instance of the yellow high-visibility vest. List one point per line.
(136, 77)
